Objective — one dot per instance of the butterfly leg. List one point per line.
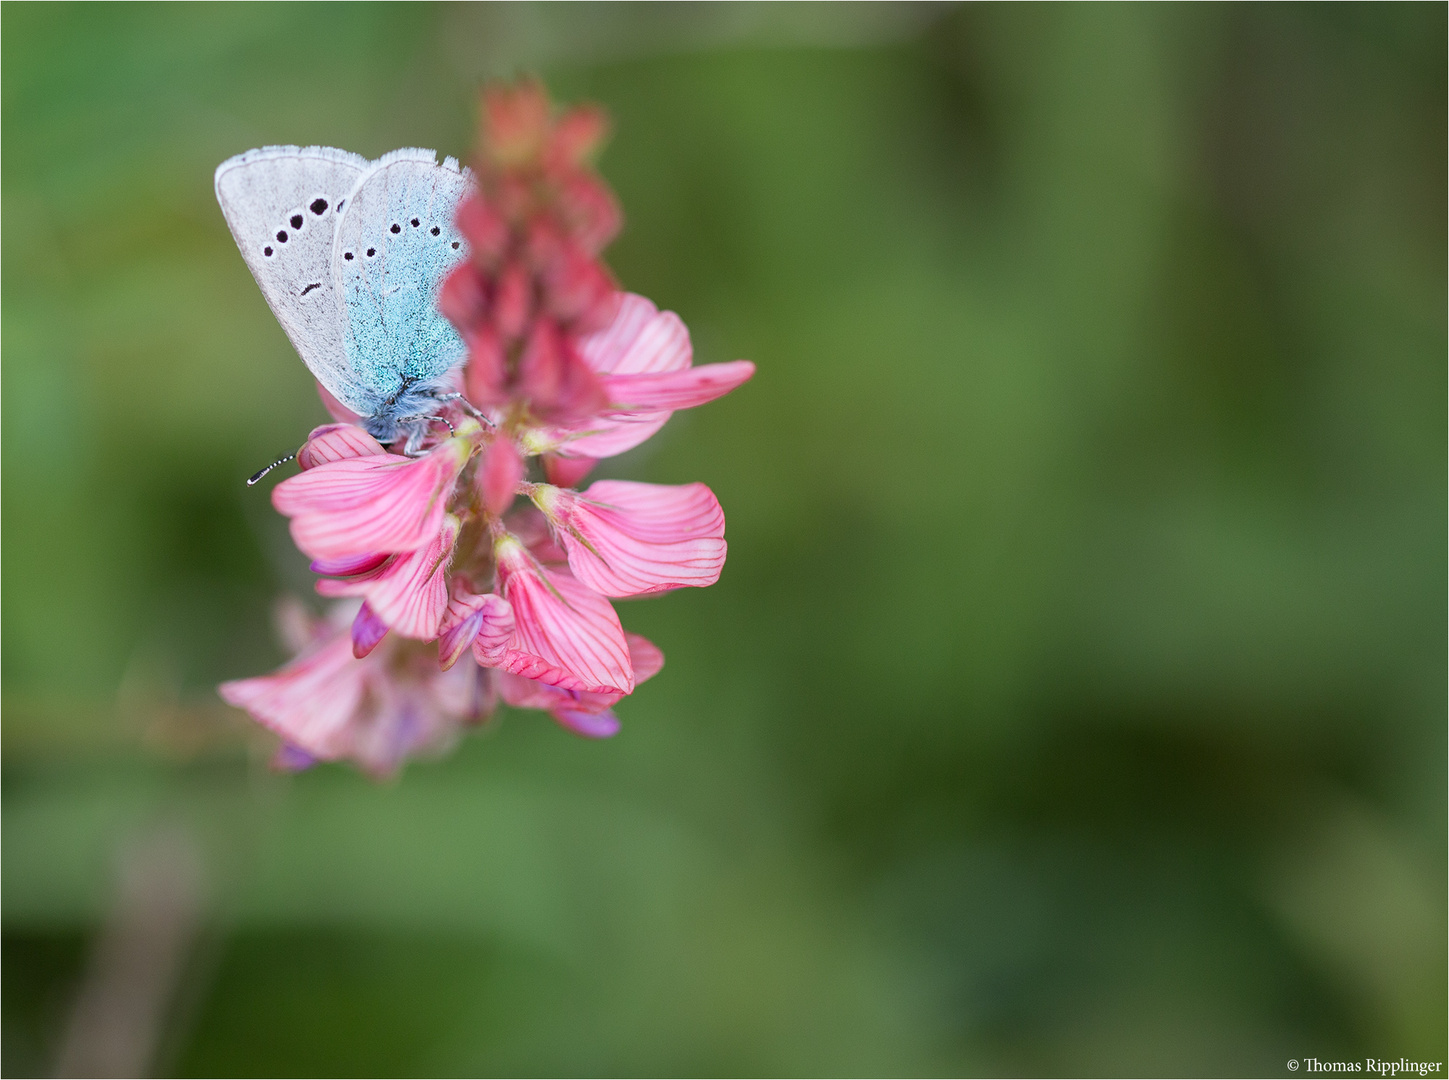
(465, 405)
(417, 431)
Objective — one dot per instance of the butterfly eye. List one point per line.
(396, 229)
(296, 221)
(434, 230)
(318, 207)
(414, 223)
(281, 237)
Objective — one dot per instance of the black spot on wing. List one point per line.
(318, 207)
(309, 288)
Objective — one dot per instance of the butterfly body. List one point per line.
(349, 254)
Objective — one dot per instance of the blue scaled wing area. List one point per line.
(395, 243)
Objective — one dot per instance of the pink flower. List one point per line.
(643, 358)
(409, 591)
(584, 713)
(371, 502)
(376, 711)
(629, 539)
(564, 634)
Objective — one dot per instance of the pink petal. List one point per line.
(310, 701)
(524, 693)
(646, 657)
(382, 502)
(565, 634)
(640, 339)
(629, 539)
(601, 725)
(367, 631)
(334, 442)
(490, 646)
(605, 437)
(483, 623)
(498, 475)
(676, 389)
(350, 566)
(412, 594)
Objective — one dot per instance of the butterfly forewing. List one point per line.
(395, 243)
(282, 206)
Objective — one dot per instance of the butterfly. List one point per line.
(350, 254)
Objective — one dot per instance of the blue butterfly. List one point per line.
(350, 254)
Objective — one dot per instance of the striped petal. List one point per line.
(652, 392)
(351, 565)
(309, 702)
(334, 442)
(630, 539)
(483, 623)
(412, 595)
(565, 634)
(640, 339)
(380, 502)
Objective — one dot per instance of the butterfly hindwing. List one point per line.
(394, 244)
(283, 205)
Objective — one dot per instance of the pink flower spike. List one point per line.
(310, 701)
(499, 474)
(675, 389)
(367, 631)
(565, 634)
(601, 725)
(629, 539)
(334, 442)
(382, 502)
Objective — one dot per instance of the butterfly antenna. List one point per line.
(256, 477)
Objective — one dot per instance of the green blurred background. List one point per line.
(1073, 700)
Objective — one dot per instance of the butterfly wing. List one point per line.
(395, 243)
(282, 204)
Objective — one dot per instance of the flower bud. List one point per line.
(513, 302)
(498, 475)
(486, 376)
(463, 298)
(484, 228)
